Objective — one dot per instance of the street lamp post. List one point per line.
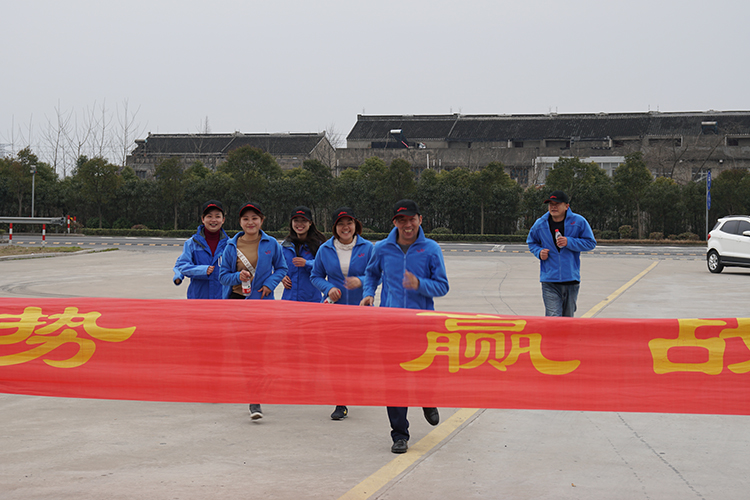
(708, 198)
(33, 182)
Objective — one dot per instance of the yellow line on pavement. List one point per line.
(389, 471)
(392, 469)
(601, 305)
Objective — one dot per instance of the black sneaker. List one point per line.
(431, 415)
(255, 412)
(400, 446)
(339, 413)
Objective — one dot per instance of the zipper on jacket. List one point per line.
(402, 274)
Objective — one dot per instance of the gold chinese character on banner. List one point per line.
(484, 337)
(714, 347)
(37, 329)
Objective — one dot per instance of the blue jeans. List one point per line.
(559, 299)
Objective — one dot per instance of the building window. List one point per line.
(519, 174)
(517, 144)
(709, 128)
(733, 141)
(675, 142)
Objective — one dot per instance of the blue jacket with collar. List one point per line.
(194, 261)
(564, 265)
(302, 288)
(269, 271)
(327, 266)
(424, 259)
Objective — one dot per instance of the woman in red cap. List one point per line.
(339, 269)
(252, 265)
(300, 248)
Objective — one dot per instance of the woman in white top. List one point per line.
(339, 269)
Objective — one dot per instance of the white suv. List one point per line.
(729, 243)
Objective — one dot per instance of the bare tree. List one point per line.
(665, 155)
(101, 137)
(79, 135)
(54, 140)
(335, 137)
(205, 127)
(127, 131)
(24, 138)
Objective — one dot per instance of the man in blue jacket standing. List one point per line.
(557, 239)
(412, 270)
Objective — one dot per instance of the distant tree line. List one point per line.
(486, 201)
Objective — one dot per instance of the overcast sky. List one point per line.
(304, 66)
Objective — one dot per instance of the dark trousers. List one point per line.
(399, 422)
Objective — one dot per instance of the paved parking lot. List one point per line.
(54, 448)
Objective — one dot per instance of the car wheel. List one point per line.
(714, 262)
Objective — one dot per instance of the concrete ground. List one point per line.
(54, 448)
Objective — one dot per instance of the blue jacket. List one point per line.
(424, 259)
(193, 263)
(302, 288)
(327, 266)
(269, 271)
(564, 265)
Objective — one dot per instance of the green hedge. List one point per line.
(160, 233)
(187, 233)
(445, 238)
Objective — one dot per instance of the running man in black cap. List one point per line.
(557, 239)
(412, 270)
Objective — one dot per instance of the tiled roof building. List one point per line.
(680, 145)
(290, 150)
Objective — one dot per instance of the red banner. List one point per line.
(231, 351)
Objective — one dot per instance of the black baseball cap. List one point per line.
(303, 212)
(405, 207)
(251, 205)
(211, 204)
(343, 212)
(557, 197)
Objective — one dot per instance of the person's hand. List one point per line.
(209, 270)
(245, 275)
(544, 253)
(264, 292)
(352, 282)
(562, 241)
(299, 262)
(367, 301)
(334, 294)
(287, 282)
(177, 281)
(410, 281)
